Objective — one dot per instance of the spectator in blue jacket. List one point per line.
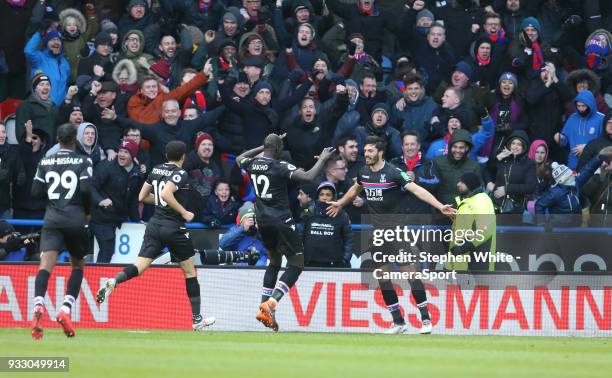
(245, 235)
(413, 110)
(581, 127)
(51, 61)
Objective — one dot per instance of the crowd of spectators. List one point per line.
(518, 92)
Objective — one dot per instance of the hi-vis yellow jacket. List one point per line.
(478, 214)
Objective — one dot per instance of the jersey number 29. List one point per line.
(68, 180)
(261, 184)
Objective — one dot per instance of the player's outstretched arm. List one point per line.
(167, 195)
(335, 206)
(422, 194)
(312, 173)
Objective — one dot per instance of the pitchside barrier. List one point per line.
(533, 248)
(566, 304)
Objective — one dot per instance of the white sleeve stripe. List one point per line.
(39, 179)
(84, 177)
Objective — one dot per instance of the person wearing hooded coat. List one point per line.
(516, 172)
(451, 167)
(93, 151)
(76, 40)
(581, 127)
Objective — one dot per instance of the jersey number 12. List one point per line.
(261, 184)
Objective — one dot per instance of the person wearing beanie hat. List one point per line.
(130, 146)
(307, 193)
(425, 14)
(466, 69)
(597, 49)
(510, 77)
(161, 68)
(328, 241)
(378, 125)
(244, 235)
(516, 177)
(531, 22)
(471, 181)
(38, 78)
(380, 107)
(561, 201)
(100, 57)
(475, 211)
(115, 187)
(51, 61)
(261, 85)
(201, 138)
(108, 26)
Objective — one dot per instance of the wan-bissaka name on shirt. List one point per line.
(61, 161)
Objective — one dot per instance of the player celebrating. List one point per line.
(166, 187)
(64, 178)
(270, 176)
(383, 185)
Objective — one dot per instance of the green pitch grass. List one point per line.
(117, 353)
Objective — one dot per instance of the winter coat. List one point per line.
(11, 173)
(145, 110)
(42, 118)
(110, 132)
(14, 21)
(237, 240)
(73, 44)
(146, 25)
(135, 56)
(159, 134)
(327, 239)
(544, 109)
(415, 116)
(86, 66)
(579, 129)
(306, 140)
(22, 194)
(95, 153)
(371, 26)
(217, 213)
(189, 13)
(517, 173)
(56, 68)
(438, 64)
(390, 135)
(458, 22)
(594, 86)
(450, 170)
(111, 181)
(426, 176)
(592, 149)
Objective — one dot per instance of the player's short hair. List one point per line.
(272, 142)
(175, 150)
(345, 139)
(378, 142)
(406, 133)
(66, 134)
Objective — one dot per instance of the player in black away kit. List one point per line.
(64, 178)
(270, 176)
(165, 188)
(384, 184)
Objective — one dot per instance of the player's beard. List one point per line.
(372, 161)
